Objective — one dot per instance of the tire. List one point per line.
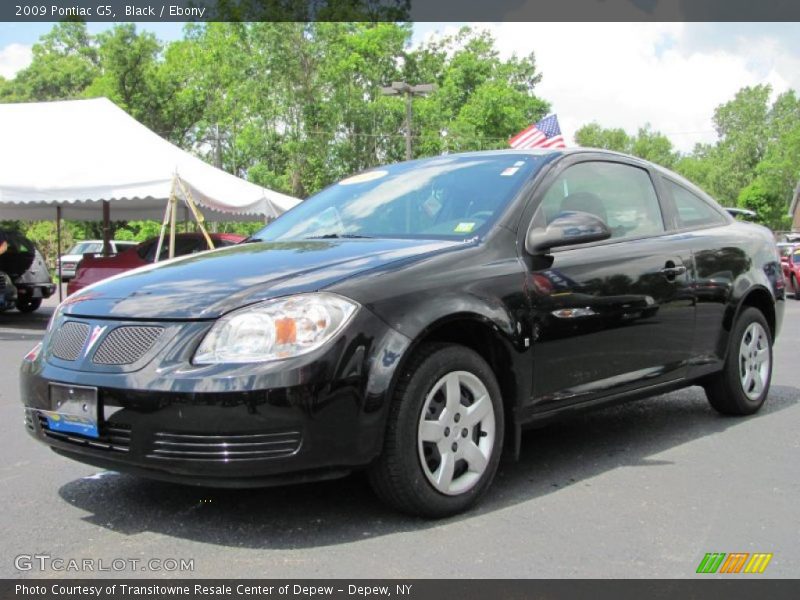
(742, 386)
(28, 306)
(411, 474)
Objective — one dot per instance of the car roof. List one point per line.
(578, 150)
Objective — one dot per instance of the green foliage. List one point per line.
(769, 207)
(292, 106)
(648, 144)
(65, 62)
(595, 136)
(295, 106)
(654, 146)
(45, 236)
(755, 164)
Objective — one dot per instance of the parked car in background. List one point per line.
(790, 262)
(744, 214)
(69, 261)
(95, 268)
(8, 293)
(27, 269)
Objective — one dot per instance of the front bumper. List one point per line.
(317, 416)
(67, 274)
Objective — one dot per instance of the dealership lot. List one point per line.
(640, 490)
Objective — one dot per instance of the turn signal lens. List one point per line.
(34, 353)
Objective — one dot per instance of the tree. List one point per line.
(595, 136)
(647, 144)
(654, 146)
(134, 76)
(481, 100)
(769, 207)
(741, 125)
(65, 62)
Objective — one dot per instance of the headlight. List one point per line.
(275, 329)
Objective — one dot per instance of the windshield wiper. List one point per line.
(337, 236)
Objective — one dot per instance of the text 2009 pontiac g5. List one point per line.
(411, 320)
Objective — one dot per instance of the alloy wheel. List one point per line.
(754, 361)
(456, 432)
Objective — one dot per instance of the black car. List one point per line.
(26, 267)
(412, 320)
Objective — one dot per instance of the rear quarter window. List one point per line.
(691, 210)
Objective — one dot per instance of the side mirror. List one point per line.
(566, 229)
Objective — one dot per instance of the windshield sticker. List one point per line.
(364, 177)
(519, 163)
(509, 171)
(464, 227)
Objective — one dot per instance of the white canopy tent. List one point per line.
(78, 154)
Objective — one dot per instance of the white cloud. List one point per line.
(13, 58)
(628, 74)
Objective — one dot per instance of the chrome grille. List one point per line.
(69, 339)
(225, 448)
(112, 437)
(126, 345)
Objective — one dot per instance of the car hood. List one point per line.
(209, 284)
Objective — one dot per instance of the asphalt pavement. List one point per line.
(640, 490)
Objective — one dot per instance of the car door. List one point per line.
(720, 261)
(610, 316)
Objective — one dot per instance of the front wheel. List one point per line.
(444, 436)
(742, 386)
(29, 305)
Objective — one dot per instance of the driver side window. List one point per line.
(620, 195)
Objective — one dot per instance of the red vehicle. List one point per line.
(790, 261)
(94, 268)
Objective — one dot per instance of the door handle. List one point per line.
(671, 270)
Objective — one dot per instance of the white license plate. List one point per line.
(74, 409)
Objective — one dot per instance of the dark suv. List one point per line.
(412, 320)
(27, 269)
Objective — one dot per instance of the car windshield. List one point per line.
(448, 197)
(86, 247)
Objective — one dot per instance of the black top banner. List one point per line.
(399, 10)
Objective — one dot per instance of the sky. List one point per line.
(670, 75)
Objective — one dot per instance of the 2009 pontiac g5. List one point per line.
(411, 320)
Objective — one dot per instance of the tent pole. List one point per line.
(173, 203)
(198, 216)
(160, 244)
(58, 252)
(106, 228)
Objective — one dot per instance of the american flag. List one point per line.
(545, 134)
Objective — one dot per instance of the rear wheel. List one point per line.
(444, 436)
(28, 305)
(742, 386)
